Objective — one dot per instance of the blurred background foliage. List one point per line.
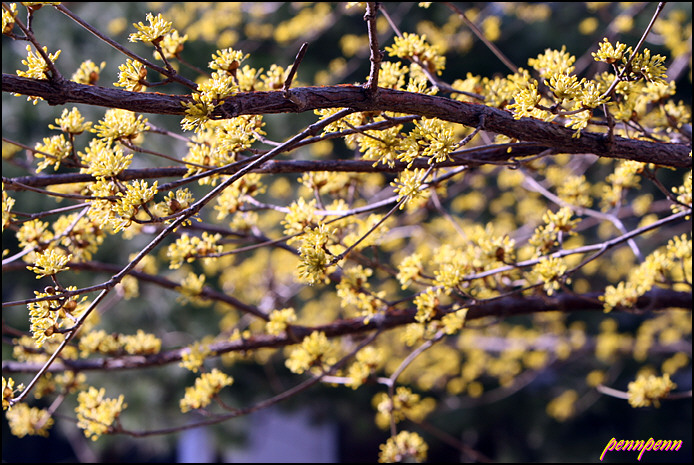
(513, 428)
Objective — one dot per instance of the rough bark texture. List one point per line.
(303, 99)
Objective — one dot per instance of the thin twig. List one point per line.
(294, 68)
(480, 35)
(617, 79)
(376, 56)
(263, 404)
(163, 71)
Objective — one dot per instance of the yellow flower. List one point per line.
(187, 248)
(71, 122)
(193, 358)
(206, 386)
(118, 123)
(8, 17)
(228, 60)
(405, 404)
(53, 150)
(316, 351)
(563, 407)
(141, 343)
(646, 391)
(8, 391)
(95, 413)
(608, 53)
(171, 45)
(279, 320)
(549, 271)
(131, 75)
(102, 160)
(405, 447)
(152, 33)
(33, 421)
(37, 66)
(88, 72)
(408, 186)
(410, 46)
(50, 262)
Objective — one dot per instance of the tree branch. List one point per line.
(355, 97)
(656, 299)
(470, 157)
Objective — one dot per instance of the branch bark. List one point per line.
(356, 97)
(469, 157)
(656, 299)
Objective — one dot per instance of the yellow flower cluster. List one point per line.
(314, 255)
(188, 248)
(556, 226)
(404, 447)
(642, 66)
(171, 45)
(563, 407)
(355, 292)
(223, 83)
(664, 328)
(137, 193)
(408, 186)
(8, 18)
(88, 72)
(49, 262)
(279, 320)
(8, 391)
(404, 405)
(648, 390)
(232, 199)
(207, 385)
(120, 124)
(152, 33)
(427, 304)
(228, 60)
(24, 420)
(368, 360)
(683, 193)
(194, 356)
(411, 46)
(174, 203)
(316, 353)
(46, 316)
(7, 204)
(103, 160)
(654, 269)
(36, 65)
(104, 343)
(53, 150)
(191, 287)
(71, 122)
(131, 75)
(387, 146)
(96, 413)
(409, 270)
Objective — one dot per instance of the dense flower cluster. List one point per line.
(96, 413)
(423, 222)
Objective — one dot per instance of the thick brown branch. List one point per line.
(356, 97)
(657, 299)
